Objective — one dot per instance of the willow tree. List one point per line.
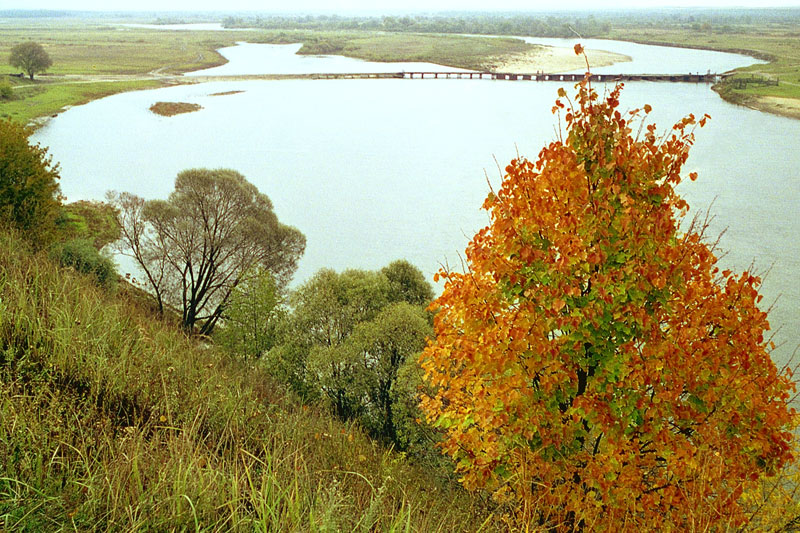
(195, 247)
(593, 367)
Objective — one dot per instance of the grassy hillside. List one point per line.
(114, 421)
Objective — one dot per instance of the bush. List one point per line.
(81, 255)
(6, 92)
(30, 199)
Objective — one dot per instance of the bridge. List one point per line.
(536, 76)
(542, 76)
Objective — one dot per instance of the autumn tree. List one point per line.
(593, 367)
(30, 57)
(30, 198)
(195, 247)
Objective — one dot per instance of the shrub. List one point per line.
(81, 255)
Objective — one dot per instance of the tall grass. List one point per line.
(114, 421)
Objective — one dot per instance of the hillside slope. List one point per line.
(111, 420)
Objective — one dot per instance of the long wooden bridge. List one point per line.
(536, 76)
(542, 76)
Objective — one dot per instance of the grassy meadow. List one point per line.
(112, 420)
(474, 53)
(777, 44)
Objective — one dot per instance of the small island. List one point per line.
(169, 109)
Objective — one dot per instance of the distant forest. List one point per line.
(584, 25)
(482, 24)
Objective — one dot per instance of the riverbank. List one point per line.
(772, 87)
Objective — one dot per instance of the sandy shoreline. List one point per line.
(786, 107)
(551, 60)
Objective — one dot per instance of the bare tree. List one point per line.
(197, 246)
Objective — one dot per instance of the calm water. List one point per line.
(374, 170)
(654, 59)
(251, 58)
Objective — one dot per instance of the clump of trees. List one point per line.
(348, 339)
(594, 368)
(31, 57)
(197, 246)
(484, 24)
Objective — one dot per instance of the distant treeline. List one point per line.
(728, 20)
(485, 24)
(584, 25)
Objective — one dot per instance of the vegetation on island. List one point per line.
(170, 109)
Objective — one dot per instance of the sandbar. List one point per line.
(551, 59)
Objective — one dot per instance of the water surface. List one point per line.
(253, 58)
(375, 170)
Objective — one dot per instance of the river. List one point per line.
(375, 170)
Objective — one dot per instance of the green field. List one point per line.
(778, 44)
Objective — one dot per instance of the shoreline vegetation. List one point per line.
(97, 57)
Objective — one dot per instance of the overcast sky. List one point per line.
(374, 6)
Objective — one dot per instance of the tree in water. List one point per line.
(593, 367)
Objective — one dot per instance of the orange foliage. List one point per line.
(593, 368)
